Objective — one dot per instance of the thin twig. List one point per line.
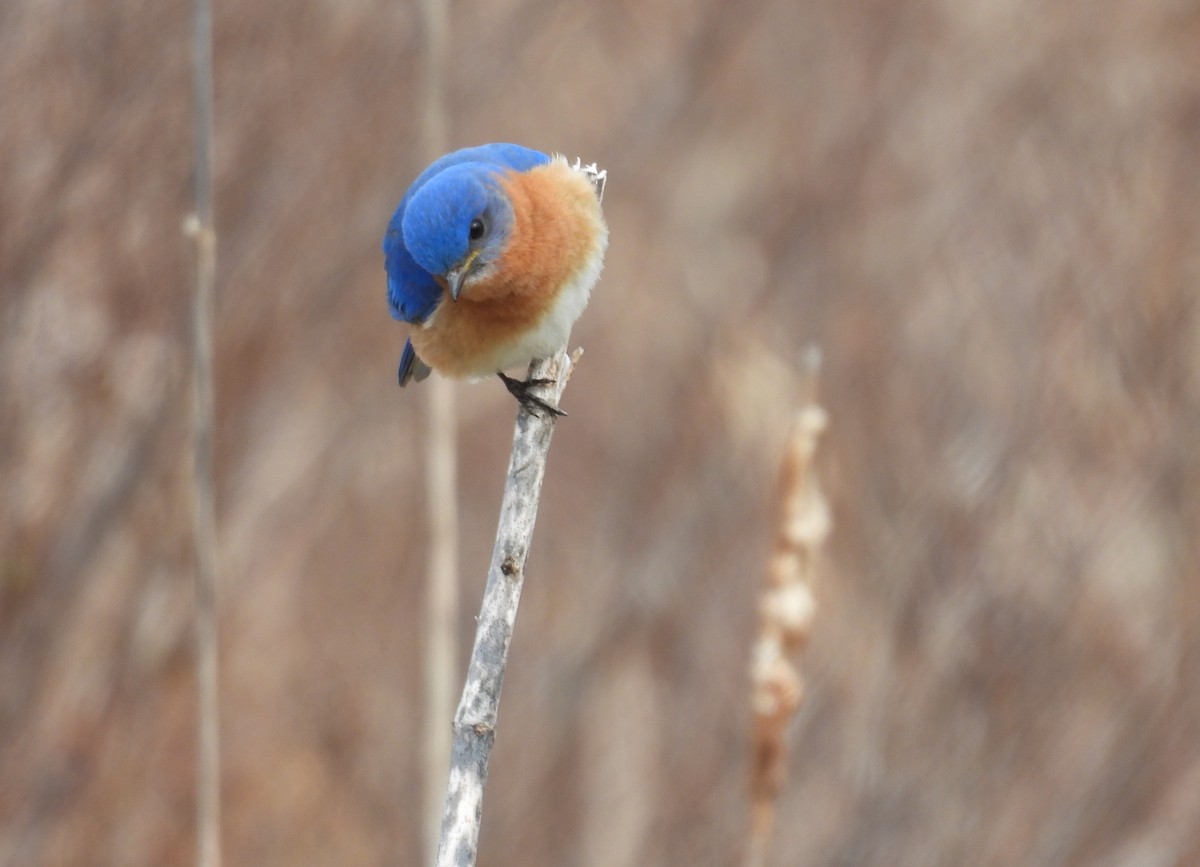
(441, 602)
(786, 613)
(434, 120)
(208, 755)
(441, 590)
(475, 720)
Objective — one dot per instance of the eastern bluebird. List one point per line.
(492, 255)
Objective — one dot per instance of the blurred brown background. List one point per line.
(986, 213)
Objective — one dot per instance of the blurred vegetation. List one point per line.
(985, 213)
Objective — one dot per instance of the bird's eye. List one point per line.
(476, 231)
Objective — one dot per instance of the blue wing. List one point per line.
(503, 156)
(412, 292)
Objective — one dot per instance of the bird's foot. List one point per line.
(519, 388)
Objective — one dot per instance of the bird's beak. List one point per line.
(455, 277)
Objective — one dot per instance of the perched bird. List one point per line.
(492, 255)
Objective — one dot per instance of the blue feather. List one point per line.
(503, 156)
(412, 292)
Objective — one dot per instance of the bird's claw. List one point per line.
(519, 388)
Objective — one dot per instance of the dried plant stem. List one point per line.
(475, 720)
(441, 602)
(433, 76)
(208, 756)
(441, 589)
(785, 620)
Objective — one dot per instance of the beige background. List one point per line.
(987, 215)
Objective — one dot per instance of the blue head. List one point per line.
(430, 232)
(458, 223)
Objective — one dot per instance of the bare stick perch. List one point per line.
(475, 721)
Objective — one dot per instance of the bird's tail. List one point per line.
(411, 367)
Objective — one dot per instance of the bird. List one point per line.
(491, 257)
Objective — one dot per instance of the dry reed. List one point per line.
(786, 612)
